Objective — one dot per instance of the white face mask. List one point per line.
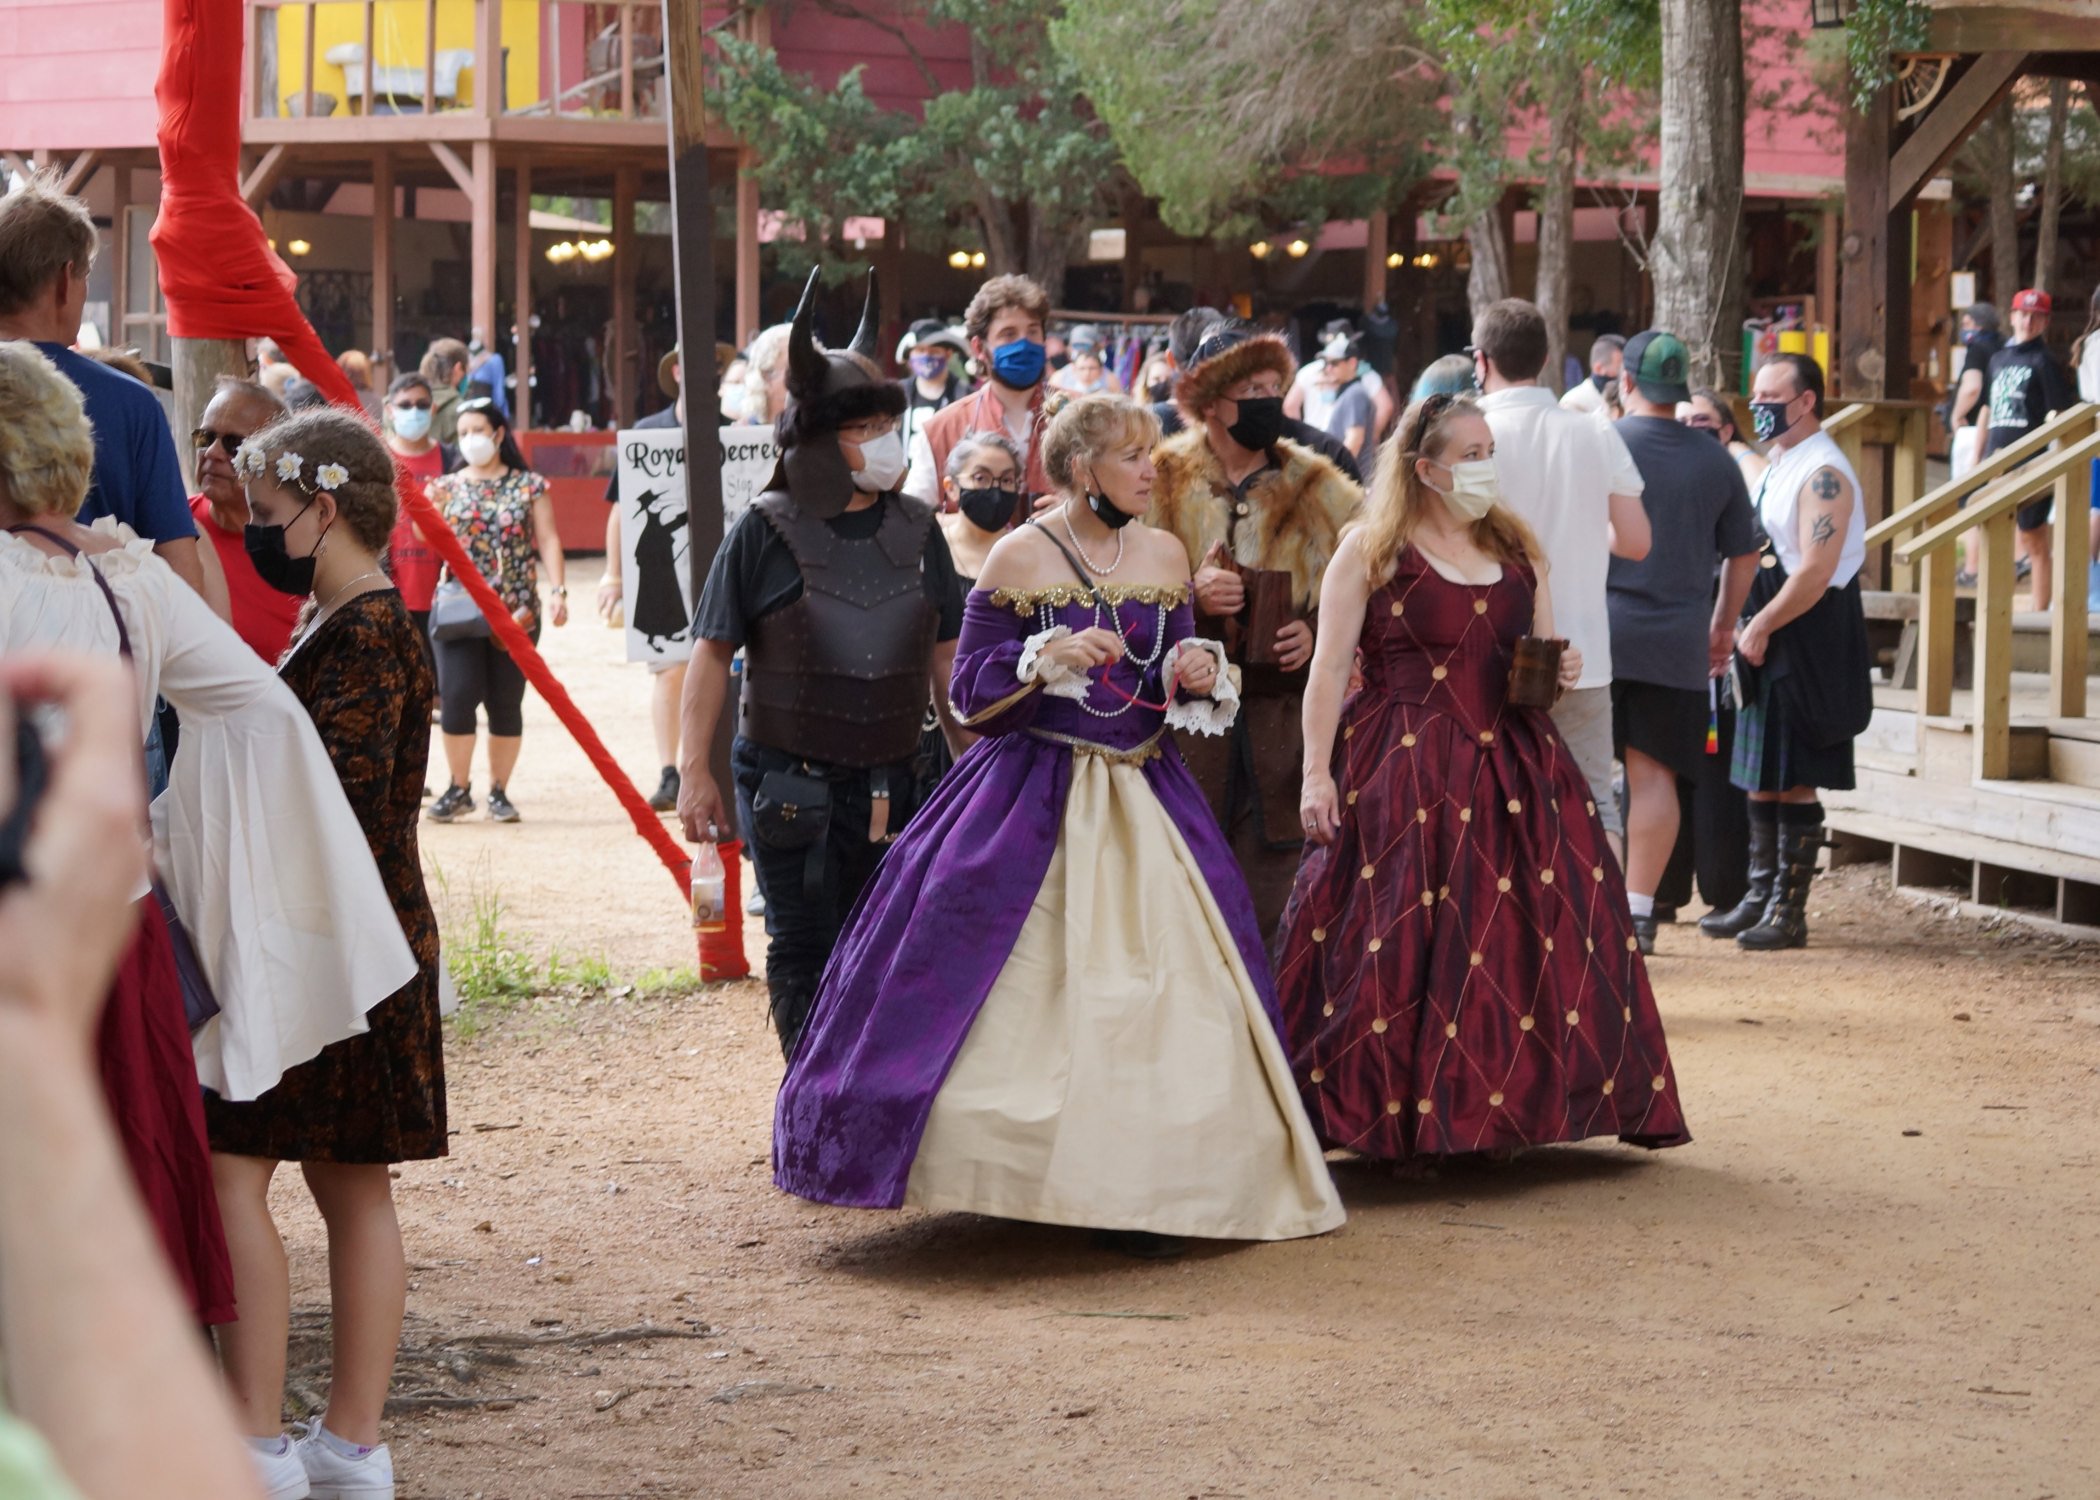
(881, 464)
(477, 448)
(1475, 489)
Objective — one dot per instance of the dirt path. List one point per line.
(1871, 1274)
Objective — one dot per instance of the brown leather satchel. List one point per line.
(1250, 635)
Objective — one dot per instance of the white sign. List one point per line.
(656, 579)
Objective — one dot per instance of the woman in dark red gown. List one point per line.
(1457, 965)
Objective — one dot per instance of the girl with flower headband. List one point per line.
(321, 494)
(1457, 964)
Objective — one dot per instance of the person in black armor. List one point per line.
(843, 597)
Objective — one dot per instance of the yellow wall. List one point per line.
(397, 42)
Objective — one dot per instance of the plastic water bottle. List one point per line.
(710, 900)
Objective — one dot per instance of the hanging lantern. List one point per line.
(1259, 249)
(1395, 261)
(959, 259)
(1296, 249)
(1824, 14)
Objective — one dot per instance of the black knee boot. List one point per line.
(1785, 923)
(790, 1009)
(1764, 870)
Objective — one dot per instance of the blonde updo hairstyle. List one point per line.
(323, 435)
(1084, 427)
(47, 448)
(1398, 497)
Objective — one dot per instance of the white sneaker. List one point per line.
(334, 1477)
(283, 1475)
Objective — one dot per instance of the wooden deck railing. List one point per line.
(1925, 533)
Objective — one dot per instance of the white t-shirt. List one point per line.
(1779, 504)
(1583, 396)
(2089, 369)
(1559, 470)
(1319, 397)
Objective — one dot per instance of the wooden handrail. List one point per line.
(2007, 496)
(1933, 506)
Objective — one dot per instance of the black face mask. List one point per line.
(1160, 390)
(1260, 423)
(1107, 512)
(1600, 382)
(988, 509)
(276, 566)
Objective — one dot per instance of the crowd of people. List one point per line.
(1313, 769)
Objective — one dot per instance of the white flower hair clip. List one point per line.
(249, 461)
(289, 467)
(331, 477)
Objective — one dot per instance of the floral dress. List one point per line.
(493, 521)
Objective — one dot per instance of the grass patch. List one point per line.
(494, 968)
(668, 981)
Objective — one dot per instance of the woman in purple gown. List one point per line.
(1052, 1003)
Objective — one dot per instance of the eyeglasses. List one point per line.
(203, 437)
(866, 432)
(978, 479)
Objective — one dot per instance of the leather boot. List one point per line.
(1764, 870)
(1785, 923)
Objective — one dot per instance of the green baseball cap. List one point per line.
(1659, 364)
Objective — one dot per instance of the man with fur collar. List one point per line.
(1260, 516)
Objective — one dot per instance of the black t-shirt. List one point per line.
(1976, 355)
(1304, 434)
(754, 574)
(2024, 385)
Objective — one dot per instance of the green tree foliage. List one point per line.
(1017, 160)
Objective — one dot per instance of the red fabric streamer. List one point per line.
(221, 280)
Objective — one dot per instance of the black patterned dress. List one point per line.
(379, 1097)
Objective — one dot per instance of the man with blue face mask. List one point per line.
(1005, 327)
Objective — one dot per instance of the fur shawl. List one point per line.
(1299, 509)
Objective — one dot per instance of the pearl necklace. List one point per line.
(1046, 619)
(1064, 514)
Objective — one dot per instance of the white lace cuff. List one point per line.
(1213, 715)
(1058, 680)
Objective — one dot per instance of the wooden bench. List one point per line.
(1892, 625)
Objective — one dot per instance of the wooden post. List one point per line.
(198, 364)
(307, 107)
(693, 260)
(430, 55)
(1826, 283)
(626, 348)
(748, 314)
(482, 239)
(383, 255)
(119, 249)
(488, 58)
(365, 104)
(2069, 626)
(1993, 691)
(1936, 635)
(1873, 355)
(521, 354)
(1906, 471)
(1377, 232)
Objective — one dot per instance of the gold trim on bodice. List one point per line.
(1056, 595)
(1136, 755)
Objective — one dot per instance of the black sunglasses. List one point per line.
(203, 437)
(411, 406)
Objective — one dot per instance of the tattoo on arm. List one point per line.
(1824, 484)
(1821, 530)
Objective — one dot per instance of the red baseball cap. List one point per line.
(2032, 300)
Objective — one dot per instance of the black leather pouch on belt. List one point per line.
(794, 812)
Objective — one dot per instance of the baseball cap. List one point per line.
(1341, 346)
(2033, 300)
(1658, 363)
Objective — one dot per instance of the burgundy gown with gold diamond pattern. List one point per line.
(1458, 970)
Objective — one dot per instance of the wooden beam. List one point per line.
(383, 256)
(747, 271)
(119, 249)
(488, 58)
(16, 164)
(482, 240)
(78, 175)
(365, 99)
(1833, 230)
(2069, 625)
(1948, 123)
(693, 262)
(430, 55)
(257, 184)
(461, 174)
(626, 349)
(521, 291)
(1979, 28)
(1873, 355)
(1378, 231)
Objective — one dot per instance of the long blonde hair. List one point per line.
(1393, 511)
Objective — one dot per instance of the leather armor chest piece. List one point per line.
(839, 675)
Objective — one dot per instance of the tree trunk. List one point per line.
(1696, 258)
(2052, 189)
(1556, 203)
(1052, 242)
(1996, 137)
(197, 365)
(1488, 279)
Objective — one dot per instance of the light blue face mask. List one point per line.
(410, 422)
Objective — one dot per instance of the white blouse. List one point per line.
(253, 840)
